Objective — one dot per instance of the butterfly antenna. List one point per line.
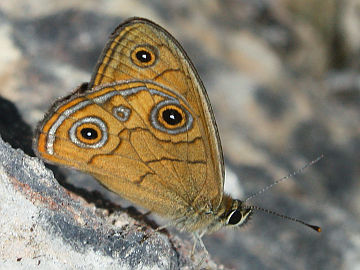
(284, 178)
(314, 227)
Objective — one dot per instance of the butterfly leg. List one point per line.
(175, 223)
(198, 239)
(145, 214)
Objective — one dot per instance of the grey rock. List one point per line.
(43, 226)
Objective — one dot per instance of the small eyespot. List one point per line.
(122, 113)
(234, 217)
(144, 56)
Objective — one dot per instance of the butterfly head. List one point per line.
(238, 214)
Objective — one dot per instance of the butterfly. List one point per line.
(144, 128)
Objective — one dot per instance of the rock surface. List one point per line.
(284, 84)
(43, 226)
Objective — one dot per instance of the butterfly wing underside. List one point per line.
(144, 128)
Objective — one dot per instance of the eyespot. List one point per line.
(144, 55)
(122, 113)
(170, 117)
(89, 132)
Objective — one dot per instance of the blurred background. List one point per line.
(283, 78)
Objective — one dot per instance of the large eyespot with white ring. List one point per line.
(170, 117)
(89, 132)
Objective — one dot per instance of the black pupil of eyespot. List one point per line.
(235, 217)
(172, 117)
(143, 56)
(89, 133)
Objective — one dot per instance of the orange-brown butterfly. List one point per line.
(144, 128)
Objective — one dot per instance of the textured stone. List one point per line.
(43, 225)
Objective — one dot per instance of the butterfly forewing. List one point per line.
(172, 68)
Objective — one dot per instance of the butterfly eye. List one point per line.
(170, 117)
(144, 55)
(88, 132)
(234, 218)
(238, 217)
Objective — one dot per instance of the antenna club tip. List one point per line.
(316, 228)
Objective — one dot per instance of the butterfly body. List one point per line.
(144, 128)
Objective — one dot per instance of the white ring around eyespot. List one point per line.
(92, 120)
(155, 123)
